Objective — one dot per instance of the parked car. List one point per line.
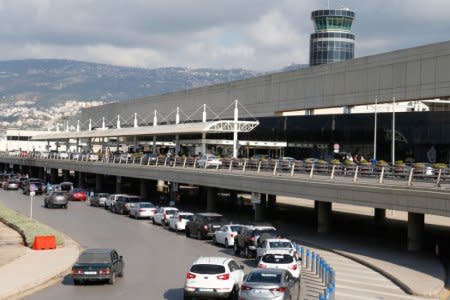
(123, 204)
(63, 155)
(33, 185)
(273, 284)
(142, 210)
(283, 261)
(112, 200)
(78, 194)
(98, 199)
(177, 222)
(209, 160)
(56, 199)
(163, 214)
(204, 225)
(66, 186)
(247, 240)
(217, 277)
(271, 245)
(226, 234)
(13, 184)
(98, 264)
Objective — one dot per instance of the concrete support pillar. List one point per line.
(379, 216)
(118, 184)
(81, 179)
(144, 188)
(99, 183)
(211, 199)
(416, 231)
(173, 190)
(271, 206)
(233, 200)
(66, 175)
(260, 208)
(41, 173)
(53, 175)
(323, 216)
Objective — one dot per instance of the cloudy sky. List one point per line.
(260, 35)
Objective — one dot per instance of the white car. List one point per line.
(163, 215)
(63, 155)
(275, 246)
(209, 160)
(219, 277)
(140, 210)
(283, 261)
(226, 234)
(177, 222)
(109, 203)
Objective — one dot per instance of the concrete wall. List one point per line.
(410, 74)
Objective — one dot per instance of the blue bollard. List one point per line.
(313, 262)
(322, 297)
(308, 258)
(332, 289)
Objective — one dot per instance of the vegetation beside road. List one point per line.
(28, 228)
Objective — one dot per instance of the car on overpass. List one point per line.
(209, 160)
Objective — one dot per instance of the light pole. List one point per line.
(393, 131)
(375, 128)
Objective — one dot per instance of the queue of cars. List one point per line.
(278, 265)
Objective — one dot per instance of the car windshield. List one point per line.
(208, 269)
(59, 193)
(66, 187)
(268, 230)
(87, 258)
(236, 228)
(146, 205)
(187, 217)
(277, 259)
(171, 211)
(215, 219)
(78, 190)
(280, 245)
(102, 195)
(264, 277)
(132, 199)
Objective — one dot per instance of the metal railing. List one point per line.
(408, 174)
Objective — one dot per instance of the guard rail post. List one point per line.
(245, 165)
(313, 262)
(332, 172)
(411, 172)
(275, 168)
(311, 173)
(174, 162)
(355, 176)
(381, 176)
(165, 161)
(140, 162)
(438, 181)
(184, 162)
(293, 169)
(259, 167)
(194, 164)
(231, 165)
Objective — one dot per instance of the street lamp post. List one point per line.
(393, 131)
(375, 128)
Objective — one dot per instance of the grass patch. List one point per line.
(28, 228)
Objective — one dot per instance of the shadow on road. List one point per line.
(174, 294)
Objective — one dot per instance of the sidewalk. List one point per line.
(29, 269)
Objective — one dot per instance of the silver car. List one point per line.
(12, 185)
(274, 284)
(56, 199)
(99, 199)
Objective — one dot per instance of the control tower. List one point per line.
(332, 40)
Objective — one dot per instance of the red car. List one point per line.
(79, 195)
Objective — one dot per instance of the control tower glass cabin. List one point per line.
(332, 40)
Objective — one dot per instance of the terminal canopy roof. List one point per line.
(222, 126)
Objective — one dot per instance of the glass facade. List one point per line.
(332, 40)
(415, 134)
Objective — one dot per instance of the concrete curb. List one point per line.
(375, 268)
(35, 285)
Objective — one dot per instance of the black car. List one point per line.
(122, 204)
(204, 225)
(98, 265)
(33, 184)
(250, 237)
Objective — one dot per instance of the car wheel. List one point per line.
(226, 244)
(186, 297)
(65, 206)
(234, 294)
(247, 253)
(121, 274)
(237, 251)
(199, 235)
(213, 240)
(77, 281)
(153, 221)
(45, 205)
(257, 259)
(112, 279)
(188, 233)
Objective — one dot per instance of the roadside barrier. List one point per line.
(315, 263)
(44, 242)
